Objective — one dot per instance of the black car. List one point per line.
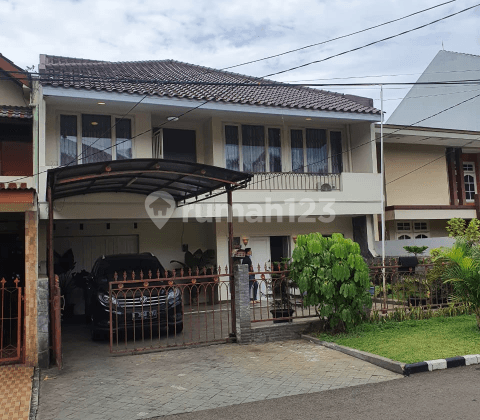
(158, 308)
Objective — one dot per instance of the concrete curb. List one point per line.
(404, 368)
(35, 390)
(450, 362)
(374, 359)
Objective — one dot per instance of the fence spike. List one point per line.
(226, 270)
(204, 271)
(133, 274)
(196, 271)
(141, 274)
(219, 270)
(189, 271)
(115, 276)
(258, 267)
(150, 274)
(181, 272)
(3, 281)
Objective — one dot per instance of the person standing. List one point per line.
(252, 283)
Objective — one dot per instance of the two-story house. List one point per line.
(432, 152)
(311, 153)
(18, 218)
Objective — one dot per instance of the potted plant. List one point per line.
(280, 294)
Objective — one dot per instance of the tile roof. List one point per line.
(7, 111)
(136, 78)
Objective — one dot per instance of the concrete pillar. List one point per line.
(31, 277)
(242, 303)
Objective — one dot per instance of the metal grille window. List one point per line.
(93, 138)
(420, 226)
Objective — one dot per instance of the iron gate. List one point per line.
(11, 337)
(151, 313)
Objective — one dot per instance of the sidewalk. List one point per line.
(15, 392)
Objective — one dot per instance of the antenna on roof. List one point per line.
(443, 48)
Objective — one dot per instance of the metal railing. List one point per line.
(393, 287)
(150, 312)
(278, 297)
(295, 181)
(11, 342)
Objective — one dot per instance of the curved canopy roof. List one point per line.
(183, 180)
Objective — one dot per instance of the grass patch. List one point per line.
(414, 340)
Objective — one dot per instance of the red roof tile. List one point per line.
(7, 111)
(125, 77)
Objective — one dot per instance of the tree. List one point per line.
(333, 277)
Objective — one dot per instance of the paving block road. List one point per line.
(95, 386)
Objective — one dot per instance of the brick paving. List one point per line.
(15, 392)
(96, 386)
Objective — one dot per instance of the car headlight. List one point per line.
(174, 295)
(104, 299)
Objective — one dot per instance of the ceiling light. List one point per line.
(100, 103)
(308, 119)
(172, 118)
(94, 123)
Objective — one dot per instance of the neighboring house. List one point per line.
(299, 144)
(18, 214)
(432, 153)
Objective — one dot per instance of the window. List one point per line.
(418, 229)
(253, 148)
(469, 181)
(403, 226)
(320, 149)
(97, 138)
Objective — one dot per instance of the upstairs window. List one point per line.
(253, 148)
(316, 151)
(469, 181)
(93, 138)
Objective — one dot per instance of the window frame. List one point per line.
(329, 148)
(240, 145)
(473, 174)
(113, 143)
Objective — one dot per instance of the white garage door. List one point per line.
(87, 249)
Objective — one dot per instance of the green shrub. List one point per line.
(333, 277)
(412, 249)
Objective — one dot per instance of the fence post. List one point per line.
(242, 303)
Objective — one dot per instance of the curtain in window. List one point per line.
(123, 138)
(317, 153)
(297, 150)
(336, 151)
(68, 140)
(253, 148)
(96, 138)
(232, 153)
(274, 150)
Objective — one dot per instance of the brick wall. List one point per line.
(31, 276)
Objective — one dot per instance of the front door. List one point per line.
(260, 257)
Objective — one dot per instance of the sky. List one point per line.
(223, 33)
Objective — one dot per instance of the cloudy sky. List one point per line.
(219, 34)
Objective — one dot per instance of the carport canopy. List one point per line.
(182, 180)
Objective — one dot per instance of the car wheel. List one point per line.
(178, 328)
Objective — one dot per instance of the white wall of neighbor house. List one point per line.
(11, 93)
(435, 228)
(426, 185)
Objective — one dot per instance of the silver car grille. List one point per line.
(141, 302)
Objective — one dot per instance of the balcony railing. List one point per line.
(295, 181)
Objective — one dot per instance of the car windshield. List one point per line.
(108, 268)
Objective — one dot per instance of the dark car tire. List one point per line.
(178, 328)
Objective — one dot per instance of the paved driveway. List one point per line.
(93, 385)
